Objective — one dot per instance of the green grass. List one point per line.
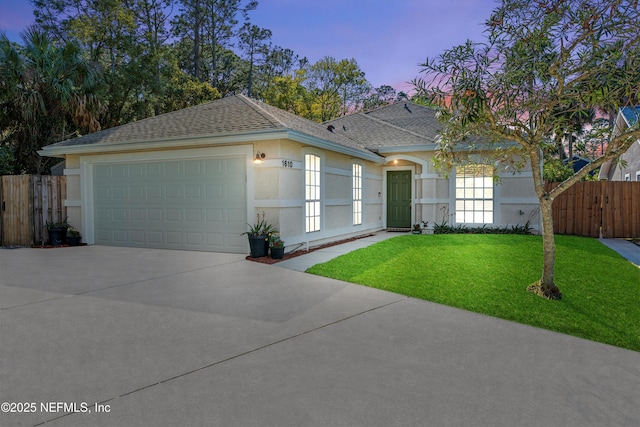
(489, 274)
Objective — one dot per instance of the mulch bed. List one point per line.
(66, 245)
(42, 246)
(297, 253)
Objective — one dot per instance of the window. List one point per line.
(627, 177)
(357, 194)
(474, 194)
(638, 176)
(312, 192)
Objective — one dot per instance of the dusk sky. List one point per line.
(388, 38)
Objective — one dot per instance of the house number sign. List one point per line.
(287, 163)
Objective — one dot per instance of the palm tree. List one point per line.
(45, 96)
(571, 123)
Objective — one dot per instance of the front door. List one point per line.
(399, 199)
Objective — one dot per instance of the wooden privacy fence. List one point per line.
(27, 203)
(591, 206)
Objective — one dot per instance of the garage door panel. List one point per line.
(136, 214)
(173, 215)
(118, 193)
(137, 236)
(172, 192)
(154, 192)
(177, 204)
(137, 170)
(154, 169)
(120, 236)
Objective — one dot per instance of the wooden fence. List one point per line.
(595, 208)
(27, 203)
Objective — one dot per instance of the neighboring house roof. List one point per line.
(403, 124)
(235, 118)
(577, 163)
(631, 115)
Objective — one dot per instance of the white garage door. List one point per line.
(174, 204)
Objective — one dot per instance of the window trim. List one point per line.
(357, 194)
(316, 202)
(474, 199)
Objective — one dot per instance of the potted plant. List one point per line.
(258, 235)
(277, 246)
(57, 232)
(73, 237)
(416, 229)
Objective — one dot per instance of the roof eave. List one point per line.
(405, 148)
(165, 143)
(328, 145)
(198, 141)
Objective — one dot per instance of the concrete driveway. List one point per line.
(170, 338)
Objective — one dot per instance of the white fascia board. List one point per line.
(169, 143)
(332, 146)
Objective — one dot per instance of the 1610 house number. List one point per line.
(287, 163)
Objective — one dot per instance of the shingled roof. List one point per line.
(403, 124)
(631, 115)
(227, 117)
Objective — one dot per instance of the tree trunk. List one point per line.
(196, 41)
(546, 286)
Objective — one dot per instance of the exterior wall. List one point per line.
(74, 191)
(515, 201)
(632, 157)
(280, 193)
(276, 187)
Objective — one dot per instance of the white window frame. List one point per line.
(357, 186)
(474, 194)
(627, 177)
(638, 176)
(312, 192)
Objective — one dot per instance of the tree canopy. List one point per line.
(47, 93)
(542, 65)
(147, 57)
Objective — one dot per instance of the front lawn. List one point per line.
(489, 274)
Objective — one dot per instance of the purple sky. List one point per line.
(388, 38)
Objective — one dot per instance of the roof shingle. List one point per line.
(396, 125)
(228, 116)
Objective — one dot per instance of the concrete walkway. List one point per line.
(304, 262)
(628, 250)
(103, 336)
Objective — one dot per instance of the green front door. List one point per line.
(399, 199)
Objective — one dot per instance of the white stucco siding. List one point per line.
(279, 184)
(514, 198)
